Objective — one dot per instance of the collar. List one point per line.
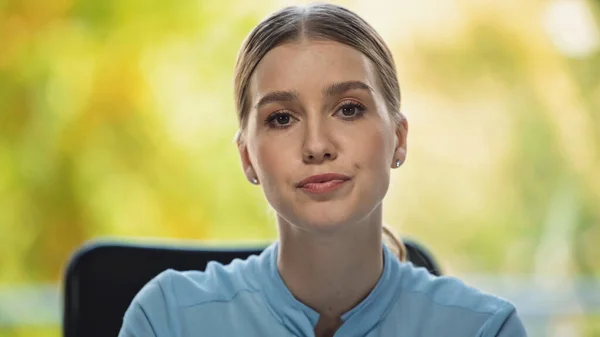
(301, 319)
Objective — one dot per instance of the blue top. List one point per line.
(248, 298)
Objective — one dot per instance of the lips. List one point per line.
(322, 178)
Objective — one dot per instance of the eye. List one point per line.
(351, 110)
(279, 120)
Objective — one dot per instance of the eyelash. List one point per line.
(360, 110)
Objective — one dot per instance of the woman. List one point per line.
(320, 128)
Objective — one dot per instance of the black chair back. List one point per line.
(103, 277)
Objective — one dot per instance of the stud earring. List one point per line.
(398, 163)
(254, 181)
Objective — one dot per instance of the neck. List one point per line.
(335, 271)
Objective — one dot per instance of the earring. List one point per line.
(398, 163)
(254, 181)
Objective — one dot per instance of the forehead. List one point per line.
(310, 65)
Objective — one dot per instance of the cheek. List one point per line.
(274, 166)
(376, 161)
(271, 162)
(375, 148)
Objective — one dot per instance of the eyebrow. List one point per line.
(341, 87)
(277, 96)
(331, 90)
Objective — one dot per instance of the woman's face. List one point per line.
(316, 107)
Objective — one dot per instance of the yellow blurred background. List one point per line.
(117, 118)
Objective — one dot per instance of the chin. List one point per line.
(326, 219)
(324, 225)
(324, 216)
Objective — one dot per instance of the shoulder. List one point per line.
(157, 306)
(217, 282)
(450, 303)
(447, 291)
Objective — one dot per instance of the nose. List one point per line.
(318, 145)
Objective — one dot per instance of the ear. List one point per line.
(401, 132)
(245, 160)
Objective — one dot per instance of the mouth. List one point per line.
(323, 183)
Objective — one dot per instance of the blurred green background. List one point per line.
(117, 118)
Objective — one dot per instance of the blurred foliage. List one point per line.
(117, 118)
(30, 332)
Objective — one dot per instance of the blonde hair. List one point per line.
(394, 242)
(319, 22)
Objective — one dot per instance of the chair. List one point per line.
(103, 277)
